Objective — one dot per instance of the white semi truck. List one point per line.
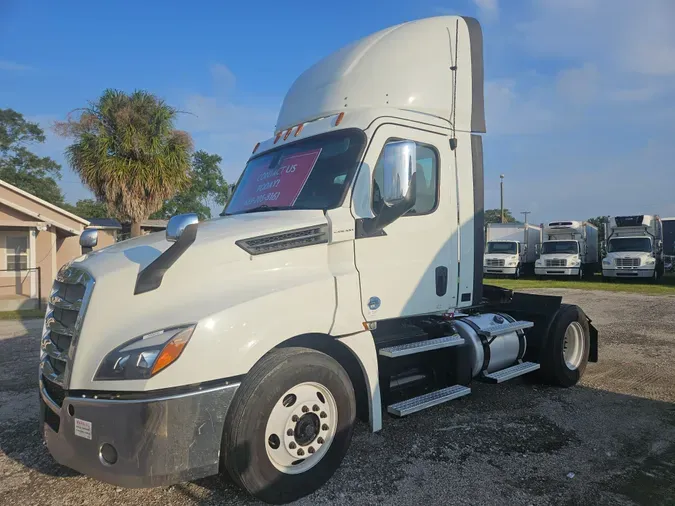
(343, 280)
(510, 248)
(634, 248)
(570, 248)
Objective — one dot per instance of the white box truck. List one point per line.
(634, 248)
(510, 248)
(343, 280)
(570, 248)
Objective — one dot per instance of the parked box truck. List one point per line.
(510, 248)
(343, 280)
(570, 248)
(634, 247)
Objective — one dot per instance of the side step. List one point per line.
(402, 350)
(500, 330)
(511, 372)
(425, 401)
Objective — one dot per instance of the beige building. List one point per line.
(109, 231)
(36, 239)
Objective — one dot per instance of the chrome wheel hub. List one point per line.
(301, 428)
(573, 346)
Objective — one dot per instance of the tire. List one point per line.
(263, 392)
(580, 276)
(655, 278)
(556, 367)
(517, 274)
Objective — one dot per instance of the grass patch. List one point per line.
(28, 314)
(665, 287)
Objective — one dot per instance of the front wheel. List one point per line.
(517, 273)
(566, 351)
(290, 425)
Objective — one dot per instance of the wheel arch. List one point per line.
(367, 401)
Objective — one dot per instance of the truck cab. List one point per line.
(502, 257)
(634, 248)
(342, 280)
(570, 248)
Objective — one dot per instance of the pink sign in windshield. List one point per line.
(278, 187)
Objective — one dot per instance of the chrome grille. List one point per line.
(494, 262)
(628, 262)
(556, 262)
(65, 311)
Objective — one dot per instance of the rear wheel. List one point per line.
(290, 425)
(566, 351)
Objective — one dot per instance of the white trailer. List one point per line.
(510, 248)
(343, 279)
(634, 248)
(569, 248)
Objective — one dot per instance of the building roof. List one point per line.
(154, 223)
(43, 202)
(105, 223)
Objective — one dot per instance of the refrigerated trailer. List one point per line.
(343, 280)
(510, 248)
(635, 248)
(569, 248)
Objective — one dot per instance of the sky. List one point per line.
(580, 94)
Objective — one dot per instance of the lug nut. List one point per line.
(305, 409)
(292, 446)
(289, 432)
(323, 414)
(310, 450)
(295, 418)
(315, 408)
(320, 440)
(301, 452)
(324, 427)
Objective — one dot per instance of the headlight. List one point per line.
(606, 261)
(145, 356)
(512, 263)
(538, 262)
(575, 261)
(650, 261)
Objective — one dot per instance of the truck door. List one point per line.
(411, 268)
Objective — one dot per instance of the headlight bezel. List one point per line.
(145, 356)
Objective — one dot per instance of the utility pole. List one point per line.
(501, 189)
(525, 213)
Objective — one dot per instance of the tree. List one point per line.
(600, 223)
(207, 188)
(22, 168)
(495, 216)
(128, 153)
(88, 208)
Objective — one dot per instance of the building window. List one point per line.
(16, 249)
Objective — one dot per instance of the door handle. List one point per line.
(441, 281)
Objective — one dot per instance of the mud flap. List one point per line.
(593, 352)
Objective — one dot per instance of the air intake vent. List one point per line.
(307, 236)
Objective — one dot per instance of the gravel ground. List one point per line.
(609, 440)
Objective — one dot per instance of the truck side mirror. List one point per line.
(400, 160)
(89, 238)
(177, 225)
(399, 185)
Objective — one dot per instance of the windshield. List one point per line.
(502, 247)
(630, 244)
(553, 248)
(310, 174)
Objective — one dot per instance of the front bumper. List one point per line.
(627, 273)
(556, 271)
(157, 441)
(510, 271)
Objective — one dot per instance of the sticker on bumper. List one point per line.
(83, 428)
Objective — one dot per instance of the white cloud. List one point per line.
(224, 79)
(11, 66)
(579, 85)
(488, 8)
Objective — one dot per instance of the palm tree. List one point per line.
(128, 153)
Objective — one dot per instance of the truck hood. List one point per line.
(214, 245)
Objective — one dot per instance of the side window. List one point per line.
(427, 181)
